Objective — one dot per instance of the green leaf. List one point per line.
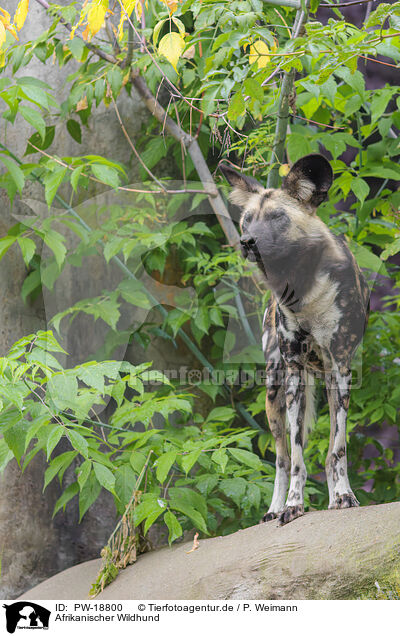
(164, 463)
(106, 175)
(5, 244)
(133, 292)
(15, 438)
(367, 259)
(104, 476)
(206, 483)
(125, 483)
(191, 498)
(78, 442)
(314, 4)
(62, 389)
(237, 106)
(36, 95)
(157, 29)
(15, 172)
(88, 495)
(77, 48)
(84, 472)
(32, 282)
(58, 465)
(52, 182)
(393, 248)
(74, 130)
(173, 525)
(67, 495)
(254, 495)
(6, 455)
(149, 506)
(352, 105)
(115, 77)
(253, 89)
(28, 248)
(360, 189)
(152, 518)
(221, 414)
(54, 438)
(245, 457)
(92, 375)
(189, 460)
(45, 340)
(179, 504)
(137, 460)
(39, 143)
(220, 457)
(379, 103)
(75, 176)
(34, 118)
(234, 489)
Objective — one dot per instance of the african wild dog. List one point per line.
(312, 326)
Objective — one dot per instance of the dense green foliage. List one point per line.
(206, 471)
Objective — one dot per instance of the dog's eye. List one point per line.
(246, 219)
(278, 213)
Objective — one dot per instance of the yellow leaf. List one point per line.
(259, 53)
(171, 46)
(2, 34)
(21, 13)
(127, 7)
(11, 28)
(82, 104)
(5, 18)
(86, 33)
(171, 4)
(284, 170)
(96, 15)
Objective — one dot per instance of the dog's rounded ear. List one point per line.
(309, 180)
(242, 185)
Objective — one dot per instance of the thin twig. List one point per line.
(319, 123)
(371, 59)
(343, 4)
(130, 142)
(123, 188)
(111, 36)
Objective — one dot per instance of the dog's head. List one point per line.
(279, 226)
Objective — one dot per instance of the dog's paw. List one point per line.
(347, 500)
(289, 513)
(269, 516)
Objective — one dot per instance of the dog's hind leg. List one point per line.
(338, 385)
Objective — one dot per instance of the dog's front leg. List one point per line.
(338, 385)
(295, 405)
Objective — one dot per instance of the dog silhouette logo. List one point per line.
(26, 615)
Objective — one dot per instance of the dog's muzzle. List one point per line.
(249, 248)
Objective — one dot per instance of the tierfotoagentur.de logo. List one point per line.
(26, 615)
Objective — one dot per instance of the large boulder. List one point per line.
(335, 554)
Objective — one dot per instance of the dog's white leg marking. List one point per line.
(296, 406)
(276, 408)
(340, 492)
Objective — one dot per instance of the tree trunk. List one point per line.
(333, 554)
